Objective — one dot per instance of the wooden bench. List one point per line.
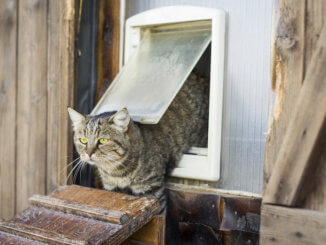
(80, 215)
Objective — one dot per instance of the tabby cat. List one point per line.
(135, 158)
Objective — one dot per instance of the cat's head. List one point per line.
(102, 140)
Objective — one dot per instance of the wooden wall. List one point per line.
(36, 86)
(294, 199)
(108, 44)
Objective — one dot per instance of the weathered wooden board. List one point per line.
(112, 216)
(285, 185)
(295, 161)
(9, 239)
(206, 216)
(8, 82)
(287, 72)
(315, 191)
(36, 86)
(281, 225)
(79, 215)
(31, 101)
(60, 90)
(315, 197)
(108, 44)
(131, 205)
(152, 233)
(50, 226)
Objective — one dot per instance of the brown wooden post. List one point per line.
(60, 87)
(287, 72)
(286, 184)
(31, 100)
(8, 85)
(108, 44)
(295, 161)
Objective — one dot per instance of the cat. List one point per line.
(136, 158)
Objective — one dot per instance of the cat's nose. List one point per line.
(90, 152)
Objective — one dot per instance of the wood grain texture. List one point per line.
(152, 233)
(31, 101)
(60, 88)
(8, 239)
(112, 216)
(287, 73)
(108, 44)
(8, 82)
(287, 180)
(55, 227)
(131, 205)
(315, 198)
(206, 216)
(314, 191)
(281, 225)
(74, 219)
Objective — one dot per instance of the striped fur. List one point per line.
(137, 157)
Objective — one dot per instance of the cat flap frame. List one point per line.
(156, 29)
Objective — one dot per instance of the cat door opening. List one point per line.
(162, 47)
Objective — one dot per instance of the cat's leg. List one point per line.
(152, 191)
(109, 187)
(140, 190)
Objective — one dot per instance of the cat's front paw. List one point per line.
(109, 187)
(140, 190)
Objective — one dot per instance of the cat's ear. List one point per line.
(120, 120)
(75, 117)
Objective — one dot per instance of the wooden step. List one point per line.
(6, 238)
(79, 215)
(112, 216)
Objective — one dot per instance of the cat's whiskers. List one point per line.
(72, 170)
(69, 164)
(76, 172)
(81, 170)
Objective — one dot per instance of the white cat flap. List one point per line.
(153, 76)
(161, 48)
(163, 55)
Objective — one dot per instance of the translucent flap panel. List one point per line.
(152, 77)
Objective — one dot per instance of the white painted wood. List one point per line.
(192, 166)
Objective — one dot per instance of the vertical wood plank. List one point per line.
(315, 198)
(8, 83)
(287, 73)
(303, 137)
(152, 233)
(313, 18)
(315, 194)
(108, 48)
(60, 85)
(108, 44)
(31, 101)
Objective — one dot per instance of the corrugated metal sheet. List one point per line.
(246, 87)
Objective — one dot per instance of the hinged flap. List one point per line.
(153, 76)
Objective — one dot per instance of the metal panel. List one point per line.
(246, 86)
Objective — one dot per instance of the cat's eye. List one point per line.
(83, 140)
(103, 141)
